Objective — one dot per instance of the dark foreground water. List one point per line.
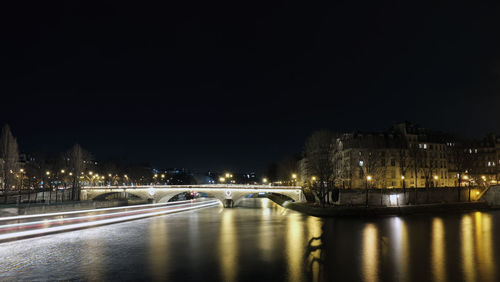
(264, 242)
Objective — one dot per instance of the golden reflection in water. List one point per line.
(467, 239)
(370, 253)
(401, 247)
(295, 247)
(94, 266)
(266, 232)
(158, 249)
(314, 227)
(438, 251)
(228, 247)
(483, 240)
(315, 236)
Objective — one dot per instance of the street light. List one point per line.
(22, 177)
(222, 179)
(264, 180)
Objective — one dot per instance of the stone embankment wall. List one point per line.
(410, 196)
(492, 196)
(60, 196)
(38, 208)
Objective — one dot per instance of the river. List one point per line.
(261, 241)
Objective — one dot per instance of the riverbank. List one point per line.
(337, 211)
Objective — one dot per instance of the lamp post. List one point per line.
(368, 179)
(21, 171)
(294, 178)
(436, 180)
(47, 173)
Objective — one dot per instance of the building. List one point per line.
(410, 156)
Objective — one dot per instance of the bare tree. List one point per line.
(415, 154)
(403, 162)
(427, 167)
(77, 159)
(461, 160)
(319, 162)
(9, 156)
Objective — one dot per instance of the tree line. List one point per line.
(322, 169)
(69, 171)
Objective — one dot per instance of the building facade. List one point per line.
(409, 156)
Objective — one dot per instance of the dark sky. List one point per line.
(237, 84)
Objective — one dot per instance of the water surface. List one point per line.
(261, 241)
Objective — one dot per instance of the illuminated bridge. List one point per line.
(228, 194)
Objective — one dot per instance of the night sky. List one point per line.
(235, 85)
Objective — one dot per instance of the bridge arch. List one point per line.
(116, 195)
(164, 197)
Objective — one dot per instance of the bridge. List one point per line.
(228, 194)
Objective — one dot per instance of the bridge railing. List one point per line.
(206, 186)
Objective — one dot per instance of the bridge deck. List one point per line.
(202, 186)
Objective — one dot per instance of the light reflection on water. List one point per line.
(468, 264)
(295, 247)
(438, 261)
(400, 247)
(370, 253)
(264, 242)
(159, 253)
(228, 247)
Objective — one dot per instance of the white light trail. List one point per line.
(20, 217)
(113, 214)
(30, 233)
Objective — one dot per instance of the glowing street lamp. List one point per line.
(369, 178)
(222, 179)
(264, 180)
(313, 178)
